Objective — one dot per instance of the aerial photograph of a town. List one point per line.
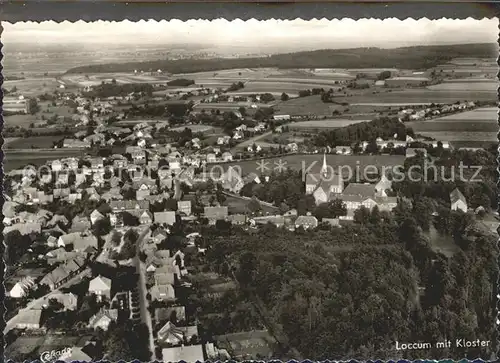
(250, 190)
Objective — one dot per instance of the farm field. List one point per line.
(22, 121)
(44, 142)
(9, 140)
(291, 88)
(312, 81)
(469, 137)
(312, 163)
(194, 128)
(311, 105)
(487, 114)
(17, 160)
(479, 125)
(123, 78)
(465, 86)
(238, 205)
(323, 124)
(235, 73)
(32, 87)
(418, 97)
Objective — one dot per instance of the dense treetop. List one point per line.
(418, 57)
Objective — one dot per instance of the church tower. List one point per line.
(324, 168)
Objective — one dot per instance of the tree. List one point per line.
(362, 215)
(284, 97)
(221, 198)
(16, 246)
(130, 219)
(372, 147)
(243, 111)
(384, 75)
(101, 227)
(254, 206)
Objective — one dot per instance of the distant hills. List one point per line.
(416, 57)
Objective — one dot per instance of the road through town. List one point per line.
(143, 302)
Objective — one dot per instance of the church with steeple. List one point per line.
(325, 185)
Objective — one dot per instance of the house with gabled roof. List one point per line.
(164, 292)
(80, 224)
(103, 319)
(68, 300)
(214, 214)
(167, 217)
(22, 287)
(186, 353)
(101, 287)
(29, 320)
(128, 205)
(81, 241)
(146, 217)
(458, 200)
(172, 335)
(63, 273)
(184, 206)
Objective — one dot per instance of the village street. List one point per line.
(141, 271)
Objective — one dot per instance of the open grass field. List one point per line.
(24, 345)
(470, 137)
(20, 120)
(419, 96)
(479, 125)
(467, 86)
(442, 244)
(46, 110)
(32, 87)
(262, 86)
(235, 73)
(238, 205)
(88, 80)
(43, 142)
(454, 127)
(18, 160)
(194, 128)
(312, 163)
(323, 124)
(311, 105)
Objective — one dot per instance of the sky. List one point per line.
(386, 33)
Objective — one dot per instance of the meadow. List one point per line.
(419, 96)
(466, 86)
(32, 87)
(43, 142)
(194, 128)
(323, 124)
(472, 126)
(311, 105)
(263, 86)
(18, 160)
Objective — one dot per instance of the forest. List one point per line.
(418, 57)
(351, 292)
(384, 128)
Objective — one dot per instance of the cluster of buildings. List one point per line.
(411, 114)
